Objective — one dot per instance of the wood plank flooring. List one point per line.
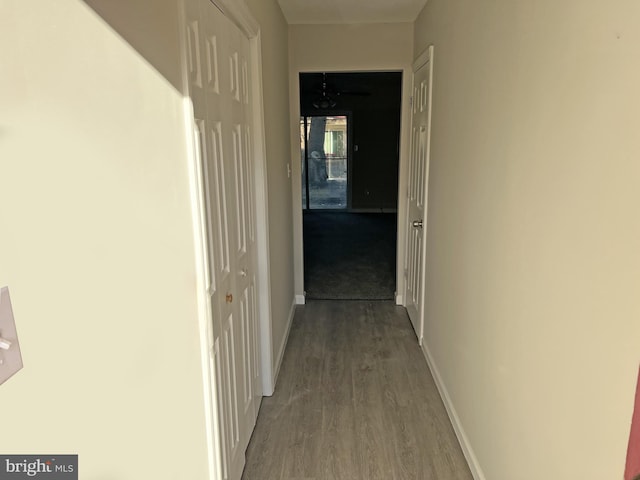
(354, 400)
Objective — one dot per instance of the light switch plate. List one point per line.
(11, 358)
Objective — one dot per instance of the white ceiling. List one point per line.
(351, 11)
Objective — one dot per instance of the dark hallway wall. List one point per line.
(375, 164)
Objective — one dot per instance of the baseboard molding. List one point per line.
(470, 456)
(399, 299)
(300, 300)
(283, 343)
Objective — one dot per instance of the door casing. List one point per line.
(295, 115)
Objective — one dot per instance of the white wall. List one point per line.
(366, 47)
(97, 250)
(275, 77)
(532, 306)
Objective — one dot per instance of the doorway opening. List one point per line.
(350, 149)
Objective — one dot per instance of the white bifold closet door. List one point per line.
(218, 65)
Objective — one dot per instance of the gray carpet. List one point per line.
(349, 256)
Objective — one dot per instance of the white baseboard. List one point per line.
(399, 299)
(474, 466)
(283, 343)
(300, 300)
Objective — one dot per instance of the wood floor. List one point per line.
(354, 400)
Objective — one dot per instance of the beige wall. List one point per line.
(275, 71)
(367, 47)
(152, 29)
(97, 250)
(532, 306)
(350, 47)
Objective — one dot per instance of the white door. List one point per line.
(416, 221)
(218, 61)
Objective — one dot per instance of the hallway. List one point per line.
(354, 400)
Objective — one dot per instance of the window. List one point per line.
(324, 156)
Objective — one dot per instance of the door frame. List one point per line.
(296, 171)
(238, 12)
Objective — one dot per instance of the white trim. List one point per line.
(423, 58)
(262, 223)
(296, 179)
(283, 345)
(238, 12)
(403, 175)
(425, 201)
(399, 299)
(296, 172)
(467, 450)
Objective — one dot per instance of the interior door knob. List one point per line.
(243, 272)
(417, 224)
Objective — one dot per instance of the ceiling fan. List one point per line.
(326, 97)
(325, 100)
